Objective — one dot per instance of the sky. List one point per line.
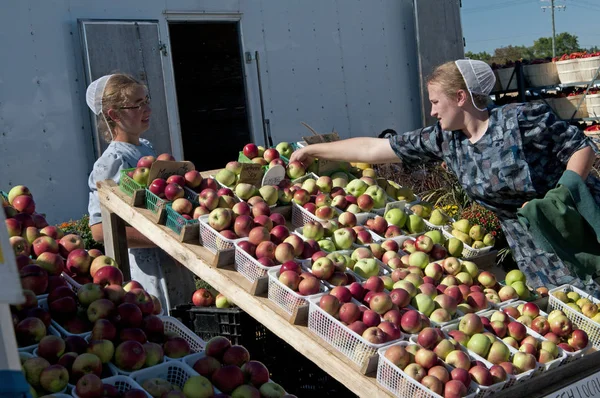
(490, 24)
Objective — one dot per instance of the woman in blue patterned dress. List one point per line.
(503, 157)
(123, 109)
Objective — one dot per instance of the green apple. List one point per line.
(415, 224)
(378, 195)
(423, 303)
(356, 187)
(198, 387)
(343, 238)
(396, 217)
(513, 276)
(521, 289)
(435, 235)
(221, 301)
(226, 177)
(269, 194)
(284, 149)
(454, 246)
(326, 245)
(366, 267)
(471, 268)
(437, 217)
(418, 259)
(479, 344)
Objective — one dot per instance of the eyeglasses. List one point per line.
(142, 104)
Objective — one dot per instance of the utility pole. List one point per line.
(552, 7)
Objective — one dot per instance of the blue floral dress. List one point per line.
(521, 156)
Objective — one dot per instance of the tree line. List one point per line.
(566, 43)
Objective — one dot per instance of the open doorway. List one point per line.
(211, 92)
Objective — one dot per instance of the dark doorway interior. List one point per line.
(211, 95)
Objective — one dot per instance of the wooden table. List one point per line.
(116, 213)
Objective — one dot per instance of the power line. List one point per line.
(497, 6)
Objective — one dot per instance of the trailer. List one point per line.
(220, 74)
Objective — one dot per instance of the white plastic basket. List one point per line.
(517, 378)
(400, 384)
(542, 367)
(285, 298)
(62, 331)
(215, 242)
(301, 216)
(468, 251)
(249, 267)
(175, 372)
(570, 356)
(122, 383)
(579, 320)
(118, 371)
(172, 325)
(349, 343)
(71, 282)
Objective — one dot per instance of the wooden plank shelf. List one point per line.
(236, 287)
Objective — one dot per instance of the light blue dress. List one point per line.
(145, 264)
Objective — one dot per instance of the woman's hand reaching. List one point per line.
(303, 156)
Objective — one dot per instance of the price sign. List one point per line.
(584, 388)
(10, 282)
(274, 175)
(316, 139)
(252, 173)
(400, 204)
(166, 168)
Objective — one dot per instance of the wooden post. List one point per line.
(115, 240)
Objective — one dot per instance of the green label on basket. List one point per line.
(166, 168)
(252, 173)
(400, 204)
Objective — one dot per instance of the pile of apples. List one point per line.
(365, 322)
(238, 220)
(470, 333)
(229, 368)
(554, 327)
(92, 386)
(295, 278)
(472, 235)
(581, 305)
(273, 245)
(332, 268)
(438, 363)
(205, 298)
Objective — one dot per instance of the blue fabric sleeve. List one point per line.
(543, 129)
(418, 146)
(108, 166)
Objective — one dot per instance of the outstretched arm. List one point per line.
(360, 150)
(581, 162)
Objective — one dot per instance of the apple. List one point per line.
(440, 373)
(398, 355)
(560, 325)
(203, 298)
(578, 339)
(375, 335)
(99, 262)
(523, 361)
(330, 304)
(470, 324)
(140, 298)
(415, 371)
(89, 385)
(411, 322)
(458, 359)
(108, 275)
(481, 375)
(228, 378)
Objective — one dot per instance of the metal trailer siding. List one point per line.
(343, 64)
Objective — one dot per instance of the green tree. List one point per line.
(503, 55)
(566, 43)
(482, 56)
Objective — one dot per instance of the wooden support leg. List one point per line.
(115, 240)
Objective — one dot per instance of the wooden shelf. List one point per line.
(226, 280)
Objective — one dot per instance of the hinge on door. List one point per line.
(162, 47)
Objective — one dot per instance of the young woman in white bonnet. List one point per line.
(503, 157)
(122, 106)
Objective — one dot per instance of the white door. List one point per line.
(131, 47)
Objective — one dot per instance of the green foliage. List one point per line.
(566, 43)
(81, 227)
(482, 56)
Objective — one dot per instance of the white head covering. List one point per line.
(93, 97)
(478, 77)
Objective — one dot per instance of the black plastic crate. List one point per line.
(233, 323)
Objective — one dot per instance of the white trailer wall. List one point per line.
(344, 64)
